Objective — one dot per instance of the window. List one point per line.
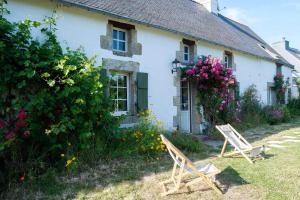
(226, 61)
(186, 53)
(271, 96)
(119, 40)
(119, 89)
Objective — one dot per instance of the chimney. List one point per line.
(211, 5)
(286, 43)
(282, 44)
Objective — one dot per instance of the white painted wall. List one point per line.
(78, 27)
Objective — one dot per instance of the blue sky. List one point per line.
(270, 19)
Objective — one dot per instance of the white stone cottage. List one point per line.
(292, 55)
(137, 40)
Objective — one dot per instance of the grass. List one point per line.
(277, 177)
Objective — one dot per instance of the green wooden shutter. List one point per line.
(104, 81)
(142, 91)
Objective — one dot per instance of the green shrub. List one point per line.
(294, 107)
(52, 105)
(251, 109)
(276, 114)
(142, 139)
(214, 134)
(186, 142)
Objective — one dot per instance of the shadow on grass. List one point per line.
(230, 177)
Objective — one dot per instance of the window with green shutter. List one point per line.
(142, 91)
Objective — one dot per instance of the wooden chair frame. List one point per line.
(182, 168)
(237, 150)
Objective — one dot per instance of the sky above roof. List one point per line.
(270, 19)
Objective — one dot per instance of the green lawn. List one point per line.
(276, 177)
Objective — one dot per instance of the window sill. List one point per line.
(121, 53)
(120, 113)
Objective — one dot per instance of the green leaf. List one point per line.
(69, 81)
(36, 24)
(45, 75)
(80, 101)
(30, 73)
(22, 84)
(51, 83)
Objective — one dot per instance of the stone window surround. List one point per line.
(131, 68)
(229, 54)
(133, 47)
(193, 50)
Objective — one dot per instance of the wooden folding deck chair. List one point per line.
(241, 146)
(186, 167)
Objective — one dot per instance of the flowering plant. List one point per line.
(215, 84)
(12, 128)
(276, 114)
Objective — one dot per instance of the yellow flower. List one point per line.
(62, 155)
(68, 162)
(74, 158)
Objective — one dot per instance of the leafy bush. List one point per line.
(142, 139)
(215, 85)
(186, 142)
(251, 109)
(294, 107)
(280, 88)
(276, 114)
(52, 105)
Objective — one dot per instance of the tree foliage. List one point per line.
(52, 104)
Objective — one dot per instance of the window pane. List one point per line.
(186, 57)
(122, 105)
(122, 93)
(115, 34)
(121, 35)
(122, 46)
(115, 44)
(122, 81)
(113, 80)
(186, 49)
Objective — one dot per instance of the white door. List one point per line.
(185, 113)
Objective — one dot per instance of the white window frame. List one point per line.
(186, 53)
(117, 112)
(118, 39)
(226, 61)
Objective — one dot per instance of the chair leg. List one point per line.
(223, 148)
(247, 158)
(212, 185)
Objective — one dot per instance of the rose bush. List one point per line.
(216, 85)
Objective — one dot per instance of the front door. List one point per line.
(185, 108)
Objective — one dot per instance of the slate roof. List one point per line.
(185, 17)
